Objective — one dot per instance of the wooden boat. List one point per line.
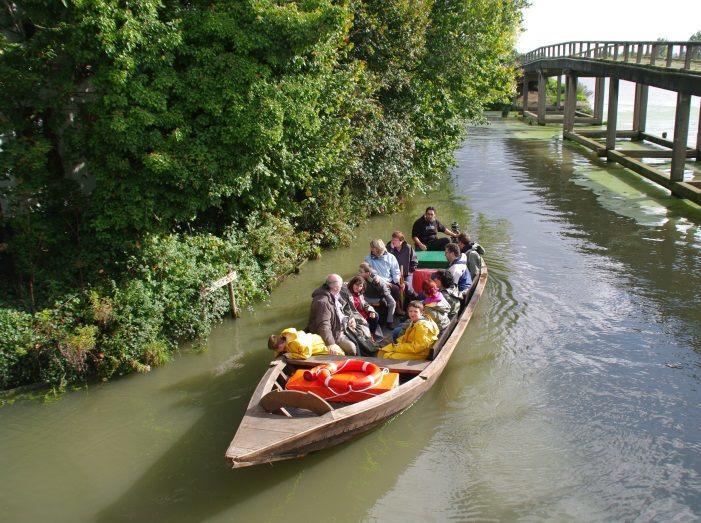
(280, 424)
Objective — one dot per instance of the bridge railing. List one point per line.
(673, 55)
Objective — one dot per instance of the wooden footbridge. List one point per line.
(674, 66)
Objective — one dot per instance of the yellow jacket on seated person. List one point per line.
(414, 344)
(301, 345)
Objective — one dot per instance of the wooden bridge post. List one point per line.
(612, 115)
(570, 102)
(681, 133)
(640, 109)
(524, 108)
(541, 97)
(599, 90)
(698, 139)
(559, 95)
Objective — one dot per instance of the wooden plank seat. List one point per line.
(277, 400)
(411, 367)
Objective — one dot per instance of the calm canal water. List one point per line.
(574, 394)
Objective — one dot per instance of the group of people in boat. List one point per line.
(343, 319)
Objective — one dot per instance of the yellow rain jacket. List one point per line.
(414, 344)
(301, 345)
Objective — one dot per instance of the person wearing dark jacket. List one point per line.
(326, 317)
(353, 295)
(473, 251)
(406, 257)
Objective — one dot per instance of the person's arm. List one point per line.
(442, 228)
(299, 350)
(415, 231)
(413, 261)
(418, 243)
(368, 308)
(335, 350)
(323, 311)
(394, 269)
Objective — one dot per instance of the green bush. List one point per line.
(146, 151)
(17, 339)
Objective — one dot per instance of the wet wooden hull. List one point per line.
(264, 437)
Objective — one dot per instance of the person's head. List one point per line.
(452, 252)
(429, 287)
(397, 239)
(443, 279)
(377, 247)
(415, 310)
(364, 270)
(334, 283)
(463, 240)
(356, 285)
(430, 214)
(277, 343)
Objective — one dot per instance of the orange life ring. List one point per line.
(325, 374)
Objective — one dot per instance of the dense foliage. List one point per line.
(149, 145)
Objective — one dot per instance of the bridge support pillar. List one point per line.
(599, 93)
(681, 134)
(698, 139)
(524, 107)
(558, 96)
(640, 108)
(611, 120)
(542, 80)
(570, 102)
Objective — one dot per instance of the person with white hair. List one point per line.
(326, 317)
(386, 267)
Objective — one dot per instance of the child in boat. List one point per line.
(300, 345)
(417, 340)
(449, 291)
(435, 304)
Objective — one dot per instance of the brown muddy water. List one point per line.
(574, 394)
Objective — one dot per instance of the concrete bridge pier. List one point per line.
(681, 132)
(542, 81)
(640, 109)
(599, 92)
(612, 119)
(524, 106)
(570, 102)
(698, 139)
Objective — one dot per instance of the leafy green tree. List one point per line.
(146, 145)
